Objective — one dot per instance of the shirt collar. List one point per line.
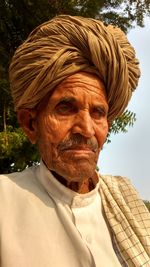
(63, 194)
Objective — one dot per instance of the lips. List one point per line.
(79, 148)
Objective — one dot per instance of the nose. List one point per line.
(83, 124)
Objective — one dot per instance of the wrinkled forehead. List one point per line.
(82, 83)
(82, 80)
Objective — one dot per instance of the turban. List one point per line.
(66, 45)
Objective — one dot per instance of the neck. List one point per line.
(82, 187)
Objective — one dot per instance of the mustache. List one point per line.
(77, 140)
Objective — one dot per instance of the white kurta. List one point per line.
(45, 224)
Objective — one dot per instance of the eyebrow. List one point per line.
(70, 99)
(102, 107)
(67, 99)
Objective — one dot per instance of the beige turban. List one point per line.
(66, 45)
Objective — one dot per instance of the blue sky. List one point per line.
(129, 154)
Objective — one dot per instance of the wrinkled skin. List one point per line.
(70, 129)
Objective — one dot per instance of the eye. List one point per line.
(98, 112)
(65, 108)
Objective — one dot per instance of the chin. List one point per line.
(77, 173)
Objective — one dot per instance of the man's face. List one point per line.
(72, 127)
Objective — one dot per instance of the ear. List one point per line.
(27, 121)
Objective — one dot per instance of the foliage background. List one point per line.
(147, 203)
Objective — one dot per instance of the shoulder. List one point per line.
(18, 182)
(21, 193)
(14, 175)
(124, 193)
(119, 184)
(11, 178)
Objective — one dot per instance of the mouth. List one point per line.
(81, 149)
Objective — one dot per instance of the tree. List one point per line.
(17, 19)
(147, 203)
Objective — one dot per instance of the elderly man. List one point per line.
(70, 79)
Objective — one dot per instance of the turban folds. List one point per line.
(66, 45)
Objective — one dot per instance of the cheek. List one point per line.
(52, 129)
(101, 132)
